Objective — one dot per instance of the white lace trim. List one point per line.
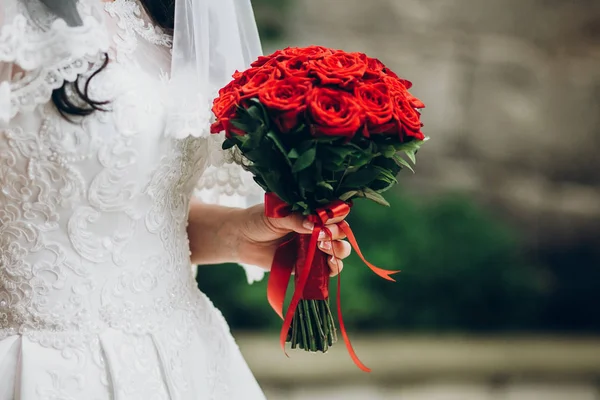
(23, 44)
(36, 88)
(50, 52)
(188, 117)
(133, 22)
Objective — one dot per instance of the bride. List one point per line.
(107, 172)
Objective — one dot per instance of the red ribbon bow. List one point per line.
(285, 257)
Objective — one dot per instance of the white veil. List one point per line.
(212, 39)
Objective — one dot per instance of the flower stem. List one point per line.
(332, 333)
(303, 327)
(294, 336)
(318, 322)
(312, 343)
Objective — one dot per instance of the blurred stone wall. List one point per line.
(512, 89)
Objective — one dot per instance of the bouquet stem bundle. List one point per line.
(313, 327)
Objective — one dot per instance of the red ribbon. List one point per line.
(287, 253)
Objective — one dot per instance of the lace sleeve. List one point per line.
(225, 182)
(40, 49)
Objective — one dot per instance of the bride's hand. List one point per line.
(259, 237)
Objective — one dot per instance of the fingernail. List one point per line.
(322, 235)
(308, 225)
(325, 245)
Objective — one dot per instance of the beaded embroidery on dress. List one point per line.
(97, 300)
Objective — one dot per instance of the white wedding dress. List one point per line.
(97, 297)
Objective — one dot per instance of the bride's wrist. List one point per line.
(247, 251)
(213, 234)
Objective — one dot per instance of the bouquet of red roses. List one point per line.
(318, 128)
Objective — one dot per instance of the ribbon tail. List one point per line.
(349, 347)
(279, 277)
(384, 273)
(299, 289)
(351, 351)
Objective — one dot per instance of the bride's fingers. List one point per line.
(337, 220)
(336, 233)
(335, 266)
(342, 248)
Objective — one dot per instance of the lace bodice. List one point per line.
(93, 214)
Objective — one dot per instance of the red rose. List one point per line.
(392, 74)
(396, 86)
(408, 117)
(286, 99)
(296, 66)
(407, 84)
(416, 103)
(286, 94)
(397, 83)
(340, 68)
(392, 128)
(310, 52)
(224, 109)
(256, 82)
(377, 104)
(225, 105)
(232, 86)
(287, 121)
(217, 127)
(401, 86)
(375, 65)
(334, 112)
(241, 78)
(268, 60)
(376, 70)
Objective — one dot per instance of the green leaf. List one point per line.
(300, 128)
(257, 114)
(411, 155)
(305, 145)
(385, 174)
(305, 160)
(293, 154)
(228, 144)
(302, 204)
(348, 195)
(360, 159)
(340, 151)
(376, 197)
(264, 115)
(403, 163)
(274, 182)
(306, 181)
(388, 151)
(240, 125)
(254, 140)
(333, 165)
(361, 178)
(325, 185)
(271, 135)
(413, 145)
